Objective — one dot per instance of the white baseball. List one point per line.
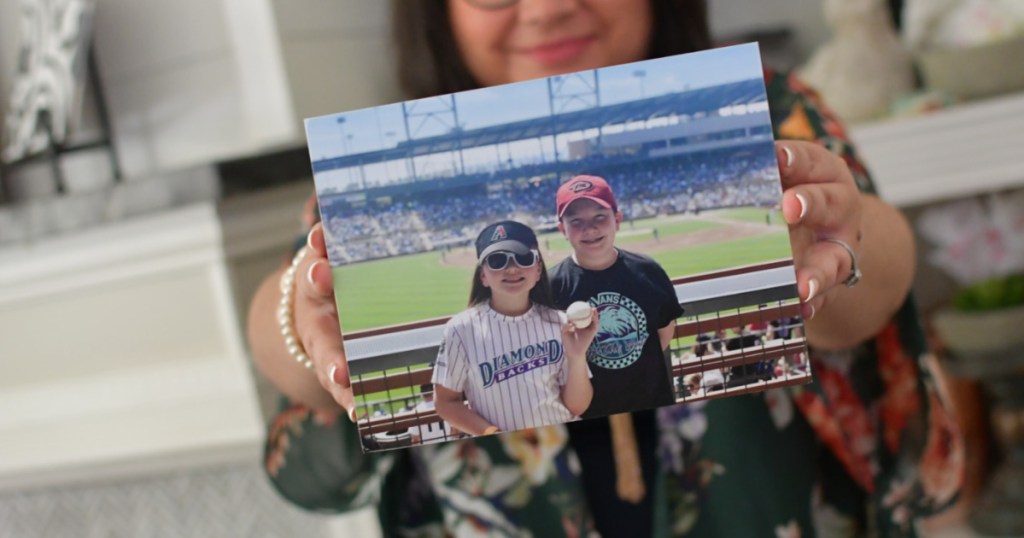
(579, 314)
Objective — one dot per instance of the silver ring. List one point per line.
(855, 275)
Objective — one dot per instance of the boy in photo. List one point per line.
(633, 294)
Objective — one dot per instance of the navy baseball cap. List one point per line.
(507, 236)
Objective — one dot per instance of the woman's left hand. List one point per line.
(820, 202)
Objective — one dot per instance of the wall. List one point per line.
(186, 83)
(805, 17)
(195, 82)
(336, 54)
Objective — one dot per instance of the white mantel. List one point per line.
(970, 149)
(121, 353)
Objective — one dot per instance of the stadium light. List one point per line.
(344, 142)
(640, 74)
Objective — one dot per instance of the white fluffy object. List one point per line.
(864, 67)
(954, 24)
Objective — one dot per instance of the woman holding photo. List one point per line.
(516, 358)
(866, 450)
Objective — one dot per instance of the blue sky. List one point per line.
(381, 127)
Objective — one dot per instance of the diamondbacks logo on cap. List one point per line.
(581, 186)
(499, 234)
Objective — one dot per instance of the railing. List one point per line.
(715, 303)
(408, 344)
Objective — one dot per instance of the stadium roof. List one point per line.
(682, 103)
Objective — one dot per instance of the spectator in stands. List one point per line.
(816, 480)
(714, 377)
(516, 359)
(431, 431)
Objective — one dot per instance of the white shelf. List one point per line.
(122, 353)
(966, 150)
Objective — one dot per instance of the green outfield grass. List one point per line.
(640, 230)
(399, 290)
(411, 288)
(748, 214)
(717, 256)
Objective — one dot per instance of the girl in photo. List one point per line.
(516, 359)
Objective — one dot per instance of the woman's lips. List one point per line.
(559, 52)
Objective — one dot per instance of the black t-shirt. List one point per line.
(635, 298)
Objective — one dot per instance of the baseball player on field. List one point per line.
(516, 358)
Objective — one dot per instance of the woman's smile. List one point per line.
(559, 52)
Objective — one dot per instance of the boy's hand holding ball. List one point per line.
(580, 328)
(579, 313)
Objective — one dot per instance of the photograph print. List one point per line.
(559, 249)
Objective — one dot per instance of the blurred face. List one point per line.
(512, 281)
(503, 41)
(590, 228)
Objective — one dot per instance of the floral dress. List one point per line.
(865, 449)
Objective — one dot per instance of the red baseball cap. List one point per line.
(589, 187)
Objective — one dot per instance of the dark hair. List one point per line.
(429, 62)
(540, 294)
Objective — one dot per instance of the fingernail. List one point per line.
(352, 414)
(330, 375)
(309, 273)
(789, 156)
(803, 205)
(813, 312)
(309, 239)
(813, 289)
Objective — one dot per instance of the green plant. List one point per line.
(991, 294)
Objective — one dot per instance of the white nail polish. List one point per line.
(813, 312)
(330, 375)
(789, 156)
(352, 414)
(803, 205)
(813, 285)
(309, 272)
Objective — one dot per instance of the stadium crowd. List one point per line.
(646, 188)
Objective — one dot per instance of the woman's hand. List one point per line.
(823, 207)
(325, 387)
(316, 321)
(820, 202)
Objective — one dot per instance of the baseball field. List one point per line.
(428, 285)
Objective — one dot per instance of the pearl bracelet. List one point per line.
(286, 311)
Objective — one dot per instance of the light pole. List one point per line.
(640, 74)
(344, 143)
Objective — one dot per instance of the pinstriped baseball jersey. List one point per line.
(510, 368)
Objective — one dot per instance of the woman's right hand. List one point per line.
(316, 321)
